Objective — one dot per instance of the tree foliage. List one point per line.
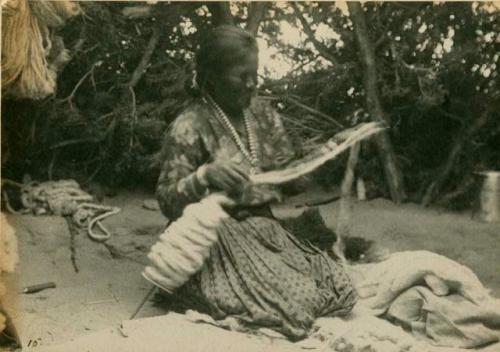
(436, 69)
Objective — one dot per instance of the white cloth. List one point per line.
(402, 270)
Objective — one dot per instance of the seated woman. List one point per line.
(257, 272)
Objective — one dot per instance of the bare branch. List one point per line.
(320, 46)
(455, 153)
(74, 142)
(314, 111)
(90, 72)
(146, 58)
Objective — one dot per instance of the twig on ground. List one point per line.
(72, 245)
(101, 302)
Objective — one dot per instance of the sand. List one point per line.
(108, 287)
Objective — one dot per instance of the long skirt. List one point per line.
(261, 274)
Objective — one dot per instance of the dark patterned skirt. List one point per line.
(261, 274)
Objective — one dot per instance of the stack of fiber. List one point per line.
(31, 54)
(185, 244)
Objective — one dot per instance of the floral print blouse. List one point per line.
(197, 137)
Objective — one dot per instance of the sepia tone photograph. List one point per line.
(252, 176)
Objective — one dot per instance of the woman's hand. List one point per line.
(227, 177)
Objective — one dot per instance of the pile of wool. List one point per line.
(31, 53)
(361, 333)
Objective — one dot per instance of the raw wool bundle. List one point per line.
(30, 61)
(185, 244)
(8, 258)
(8, 246)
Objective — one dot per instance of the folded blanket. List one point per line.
(434, 297)
(451, 321)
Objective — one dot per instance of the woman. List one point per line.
(257, 272)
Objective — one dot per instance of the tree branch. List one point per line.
(90, 72)
(146, 58)
(321, 47)
(256, 12)
(314, 111)
(453, 156)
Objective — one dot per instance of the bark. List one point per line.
(374, 105)
(221, 13)
(455, 153)
(256, 12)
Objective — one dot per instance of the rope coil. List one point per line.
(64, 198)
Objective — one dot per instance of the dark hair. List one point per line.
(221, 47)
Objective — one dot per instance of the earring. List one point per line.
(194, 82)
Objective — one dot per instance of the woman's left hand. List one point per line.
(227, 177)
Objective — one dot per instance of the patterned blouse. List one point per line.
(197, 137)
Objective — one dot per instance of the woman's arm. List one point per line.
(183, 152)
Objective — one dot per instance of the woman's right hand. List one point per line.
(227, 177)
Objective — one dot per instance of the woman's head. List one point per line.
(226, 66)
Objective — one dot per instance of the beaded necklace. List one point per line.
(251, 155)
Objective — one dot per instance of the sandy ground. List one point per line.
(108, 287)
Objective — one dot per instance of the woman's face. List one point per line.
(234, 87)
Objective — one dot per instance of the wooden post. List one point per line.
(374, 105)
(342, 225)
